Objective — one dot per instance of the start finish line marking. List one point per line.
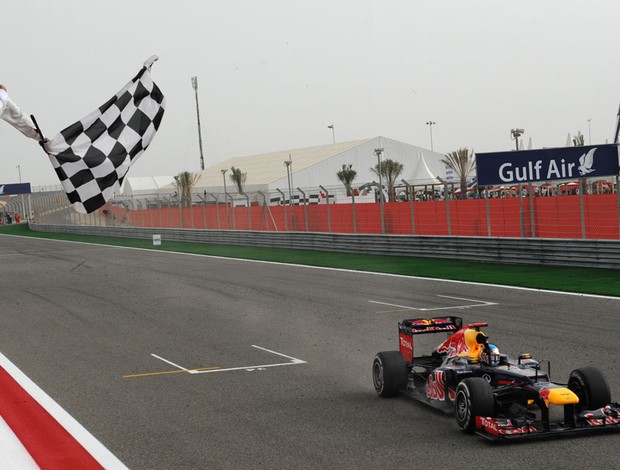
(206, 370)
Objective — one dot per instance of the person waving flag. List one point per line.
(11, 113)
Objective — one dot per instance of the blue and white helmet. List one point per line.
(494, 355)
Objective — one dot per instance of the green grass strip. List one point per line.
(566, 279)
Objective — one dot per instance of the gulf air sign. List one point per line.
(529, 166)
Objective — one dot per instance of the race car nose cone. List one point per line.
(558, 396)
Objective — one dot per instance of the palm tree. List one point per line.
(185, 182)
(578, 140)
(462, 162)
(347, 175)
(238, 178)
(390, 171)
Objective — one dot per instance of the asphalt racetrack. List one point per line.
(177, 361)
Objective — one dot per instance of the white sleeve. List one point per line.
(14, 116)
(4, 98)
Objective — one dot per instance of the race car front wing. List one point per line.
(497, 429)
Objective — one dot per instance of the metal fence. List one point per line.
(577, 210)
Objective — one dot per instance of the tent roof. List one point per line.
(266, 168)
(146, 183)
(421, 174)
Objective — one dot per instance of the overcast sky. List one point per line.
(273, 74)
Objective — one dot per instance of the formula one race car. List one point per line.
(491, 395)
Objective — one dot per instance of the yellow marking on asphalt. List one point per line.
(177, 371)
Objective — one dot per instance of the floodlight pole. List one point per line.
(430, 125)
(225, 198)
(195, 86)
(289, 177)
(516, 133)
(378, 153)
(331, 126)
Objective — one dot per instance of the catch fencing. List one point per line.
(518, 212)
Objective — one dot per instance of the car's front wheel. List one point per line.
(590, 385)
(389, 373)
(474, 397)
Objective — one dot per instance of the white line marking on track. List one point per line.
(481, 303)
(294, 361)
(248, 368)
(393, 305)
(169, 362)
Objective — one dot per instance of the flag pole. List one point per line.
(38, 129)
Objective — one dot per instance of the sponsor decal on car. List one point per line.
(487, 424)
(436, 387)
(502, 427)
(406, 347)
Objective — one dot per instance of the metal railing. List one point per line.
(557, 252)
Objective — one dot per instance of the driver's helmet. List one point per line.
(494, 355)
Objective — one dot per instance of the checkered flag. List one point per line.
(92, 156)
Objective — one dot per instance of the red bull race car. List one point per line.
(492, 395)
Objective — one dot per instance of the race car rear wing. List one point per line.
(418, 326)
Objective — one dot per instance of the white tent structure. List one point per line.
(314, 166)
(148, 185)
(423, 175)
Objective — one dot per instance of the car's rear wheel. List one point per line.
(389, 373)
(590, 385)
(474, 397)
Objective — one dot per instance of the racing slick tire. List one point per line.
(389, 373)
(474, 397)
(590, 385)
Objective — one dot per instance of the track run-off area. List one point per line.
(168, 360)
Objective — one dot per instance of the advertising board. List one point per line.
(528, 166)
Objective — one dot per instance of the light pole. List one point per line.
(289, 178)
(224, 178)
(378, 153)
(430, 125)
(19, 171)
(515, 134)
(225, 197)
(288, 163)
(195, 86)
(589, 131)
(333, 133)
